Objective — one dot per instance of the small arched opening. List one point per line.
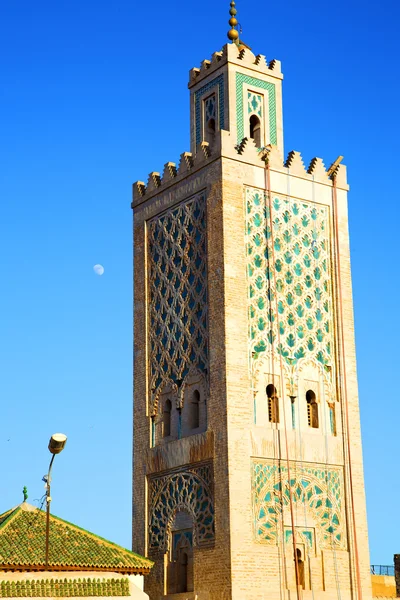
(255, 130)
(167, 418)
(312, 410)
(194, 416)
(300, 569)
(332, 418)
(183, 572)
(273, 404)
(210, 131)
(180, 559)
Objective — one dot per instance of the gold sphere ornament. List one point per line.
(233, 35)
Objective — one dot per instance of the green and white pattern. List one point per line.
(289, 280)
(242, 104)
(316, 493)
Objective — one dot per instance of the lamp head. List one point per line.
(57, 443)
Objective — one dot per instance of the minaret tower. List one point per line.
(248, 477)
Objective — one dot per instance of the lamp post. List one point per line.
(56, 445)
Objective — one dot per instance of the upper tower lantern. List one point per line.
(239, 92)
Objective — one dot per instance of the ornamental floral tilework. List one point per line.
(190, 490)
(178, 293)
(318, 488)
(254, 104)
(289, 280)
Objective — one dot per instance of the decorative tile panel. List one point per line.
(241, 81)
(254, 104)
(218, 81)
(178, 318)
(317, 490)
(210, 108)
(289, 280)
(190, 490)
(306, 535)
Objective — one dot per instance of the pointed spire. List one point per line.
(233, 34)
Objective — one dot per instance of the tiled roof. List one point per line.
(58, 588)
(23, 538)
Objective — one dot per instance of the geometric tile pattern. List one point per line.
(64, 588)
(289, 278)
(191, 490)
(254, 104)
(178, 293)
(315, 489)
(219, 81)
(240, 113)
(209, 106)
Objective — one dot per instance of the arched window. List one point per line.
(300, 569)
(183, 572)
(210, 131)
(167, 418)
(194, 416)
(273, 404)
(153, 431)
(332, 418)
(255, 130)
(312, 409)
(180, 560)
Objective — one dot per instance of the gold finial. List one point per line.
(233, 34)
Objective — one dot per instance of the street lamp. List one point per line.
(56, 445)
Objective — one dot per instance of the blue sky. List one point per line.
(93, 97)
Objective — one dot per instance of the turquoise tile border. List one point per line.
(257, 83)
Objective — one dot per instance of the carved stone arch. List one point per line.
(308, 370)
(195, 378)
(310, 377)
(268, 403)
(183, 490)
(165, 429)
(167, 388)
(268, 368)
(171, 519)
(193, 403)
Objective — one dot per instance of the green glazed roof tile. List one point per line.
(23, 538)
(64, 588)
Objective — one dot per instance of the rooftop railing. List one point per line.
(382, 570)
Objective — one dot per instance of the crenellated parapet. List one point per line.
(242, 57)
(246, 152)
(188, 164)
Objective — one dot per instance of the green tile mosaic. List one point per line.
(289, 279)
(318, 491)
(254, 104)
(242, 80)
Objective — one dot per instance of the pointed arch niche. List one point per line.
(194, 404)
(165, 421)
